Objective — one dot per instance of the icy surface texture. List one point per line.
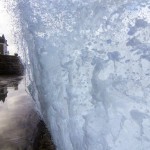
(90, 61)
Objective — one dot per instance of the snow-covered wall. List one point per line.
(90, 63)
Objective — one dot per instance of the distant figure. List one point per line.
(16, 54)
(3, 93)
(3, 45)
(3, 36)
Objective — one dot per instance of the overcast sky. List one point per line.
(6, 28)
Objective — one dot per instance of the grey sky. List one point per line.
(6, 28)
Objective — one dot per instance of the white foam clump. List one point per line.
(90, 63)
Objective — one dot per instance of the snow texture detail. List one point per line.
(90, 62)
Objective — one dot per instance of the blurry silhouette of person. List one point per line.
(3, 93)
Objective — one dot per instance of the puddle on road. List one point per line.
(18, 119)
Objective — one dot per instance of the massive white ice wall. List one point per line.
(90, 62)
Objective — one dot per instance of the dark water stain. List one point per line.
(43, 139)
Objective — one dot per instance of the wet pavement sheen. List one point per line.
(18, 119)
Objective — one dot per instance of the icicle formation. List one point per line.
(90, 62)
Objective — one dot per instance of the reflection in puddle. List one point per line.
(3, 93)
(18, 119)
